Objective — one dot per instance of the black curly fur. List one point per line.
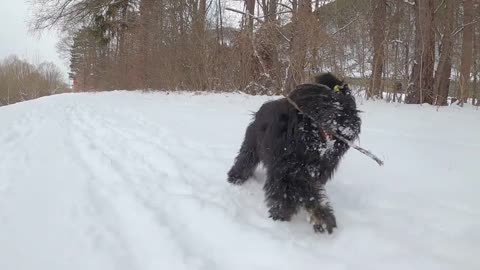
(296, 150)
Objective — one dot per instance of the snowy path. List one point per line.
(137, 181)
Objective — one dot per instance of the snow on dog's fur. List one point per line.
(299, 150)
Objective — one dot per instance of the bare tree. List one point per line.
(444, 68)
(378, 28)
(171, 44)
(421, 85)
(20, 80)
(467, 51)
(250, 7)
(299, 41)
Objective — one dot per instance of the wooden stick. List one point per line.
(338, 136)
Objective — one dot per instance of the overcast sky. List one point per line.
(16, 39)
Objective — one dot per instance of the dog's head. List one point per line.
(335, 84)
(325, 99)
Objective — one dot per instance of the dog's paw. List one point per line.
(235, 180)
(281, 213)
(323, 221)
(278, 217)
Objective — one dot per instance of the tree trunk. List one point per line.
(397, 65)
(267, 41)
(298, 47)
(379, 22)
(269, 8)
(123, 48)
(421, 84)
(444, 68)
(467, 50)
(476, 48)
(144, 67)
(200, 55)
(250, 6)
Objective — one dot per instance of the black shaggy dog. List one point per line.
(299, 150)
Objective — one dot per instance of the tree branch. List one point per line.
(258, 18)
(439, 6)
(460, 28)
(336, 135)
(285, 6)
(346, 25)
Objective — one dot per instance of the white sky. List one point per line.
(16, 39)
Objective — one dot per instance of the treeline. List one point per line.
(20, 80)
(424, 49)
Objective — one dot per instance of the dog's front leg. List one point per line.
(320, 211)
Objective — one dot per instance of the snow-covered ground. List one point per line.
(125, 180)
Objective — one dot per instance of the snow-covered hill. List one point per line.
(125, 180)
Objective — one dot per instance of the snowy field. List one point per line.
(125, 180)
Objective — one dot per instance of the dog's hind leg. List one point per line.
(280, 196)
(246, 160)
(320, 211)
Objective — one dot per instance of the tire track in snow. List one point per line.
(145, 186)
(103, 233)
(146, 151)
(142, 235)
